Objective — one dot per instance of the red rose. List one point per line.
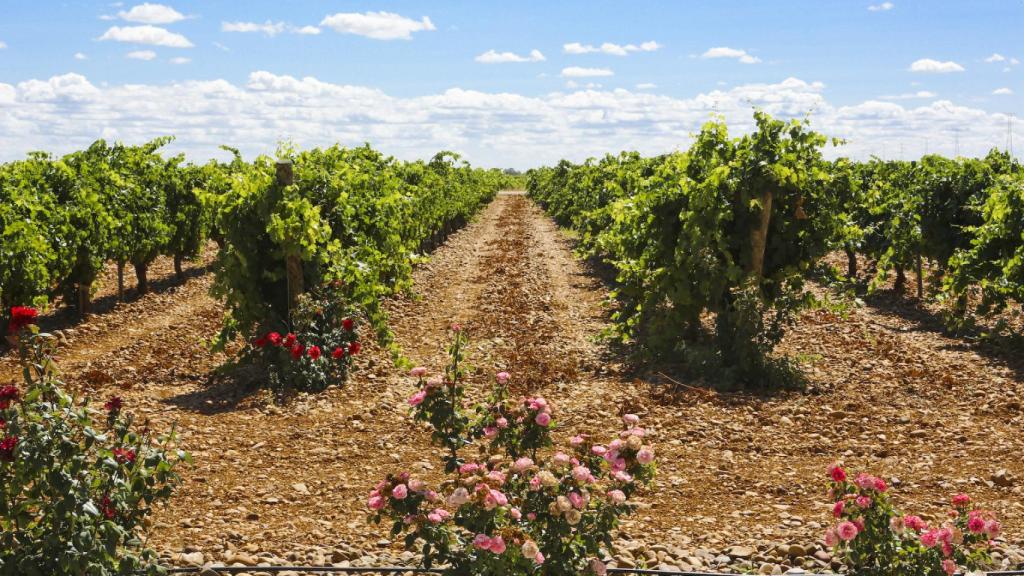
(260, 342)
(314, 352)
(8, 394)
(7, 446)
(274, 338)
(338, 353)
(107, 508)
(21, 316)
(354, 348)
(290, 340)
(124, 455)
(297, 350)
(114, 404)
(347, 324)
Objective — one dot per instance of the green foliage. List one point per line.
(75, 490)
(679, 230)
(351, 215)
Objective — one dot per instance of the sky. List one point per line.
(509, 84)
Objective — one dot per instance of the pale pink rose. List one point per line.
(949, 566)
(618, 465)
(645, 455)
(459, 497)
(576, 441)
(400, 492)
(417, 398)
(617, 496)
(598, 450)
(846, 531)
(434, 382)
(622, 476)
(598, 567)
(418, 372)
(992, 528)
(615, 444)
(469, 468)
(417, 485)
(530, 549)
(515, 513)
(531, 516)
(561, 459)
(543, 419)
(499, 497)
(432, 496)
(631, 419)
(577, 500)
(496, 476)
(375, 503)
(522, 464)
(863, 501)
(439, 515)
(535, 483)
(502, 377)
(490, 432)
(502, 422)
(830, 538)
(539, 558)
(897, 525)
(482, 541)
(497, 545)
(581, 474)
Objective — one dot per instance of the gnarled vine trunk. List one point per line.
(140, 274)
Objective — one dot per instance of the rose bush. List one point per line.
(876, 540)
(317, 349)
(74, 490)
(511, 509)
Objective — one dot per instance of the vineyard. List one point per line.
(333, 357)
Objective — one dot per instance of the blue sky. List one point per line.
(507, 83)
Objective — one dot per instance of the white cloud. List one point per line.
(935, 66)
(377, 25)
(67, 112)
(610, 48)
(1002, 92)
(306, 30)
(646, 86)
(3, 45)
(579, 72)
(883, 7)
(180, 60)
(152, 35)
(141, 55)
(494, 57)
(910, 95)
(269, 28)
(80, 56)
(726, 52)
(151, 14)
(996, 57)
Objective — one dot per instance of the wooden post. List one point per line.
(759, 236)
(293, 264)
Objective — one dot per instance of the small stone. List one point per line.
(740, 551)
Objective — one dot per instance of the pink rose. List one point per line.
(622, 476)
(482, 541)
(948, 566)
(459, 497)
(496, 476)
(531, 516)
(417, 485)
(961, 500)
(631, 419)
(582, 474)
(598, 567)
(502, 422)
(645, 455)
(535, 483)
(863, 501)
(434, 382)
(897, 524)
(846, 531)
(418, 372)
(522, 464)
(598, 450)
(576, 441)
(468, 468)
(992, 528)
(561, 459)
(915, 523)
(497, 545)
(502, 377)
(831, 540)
(417, 398)
(400, 492)
(836, 472)
(375, 503)
(617, 497)
(515, 513)
(577, 500)
(930, 538)
(539, 558)
(490, 432)
(837, 509)
(976, 524)
(543, 419)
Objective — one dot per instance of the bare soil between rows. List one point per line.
(929, 413)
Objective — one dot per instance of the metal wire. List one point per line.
(227, 570)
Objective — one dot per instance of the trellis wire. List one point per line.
(228, 570)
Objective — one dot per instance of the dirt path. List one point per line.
(909, 404)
